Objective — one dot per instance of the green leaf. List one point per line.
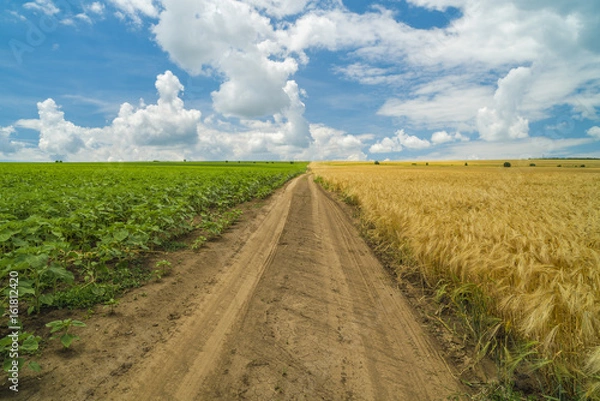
(121, 235)
(5, 341)
(62, 273)
(5, 235)
(46, 299)
(77, 323)
(56, 325)
(35, 366)
(7, 364)
(30, 344)
(66, 339)
(25, 290)
(97, 290)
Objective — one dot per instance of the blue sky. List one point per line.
(299, 79)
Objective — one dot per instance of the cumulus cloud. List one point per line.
(232, 40)
(255, 87)
(487, 42)
(502, 120)
(215, 30)
(594, 132)
(167, 123)
(58, 137)
(444, 137)
(256, 59)
(167, 130)
(398, 142)
(495, 68)
(333, 144)
(297, 132)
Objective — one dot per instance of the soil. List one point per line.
(289, 304)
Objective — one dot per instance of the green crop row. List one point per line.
(74, 231)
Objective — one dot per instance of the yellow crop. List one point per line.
(528, 237)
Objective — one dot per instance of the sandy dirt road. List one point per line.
(298, 309)
(303, 311)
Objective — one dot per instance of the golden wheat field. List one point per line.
(529, 237)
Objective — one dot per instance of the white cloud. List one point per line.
(255, 87)
(279, 8)
(438, 4)
(7, 145)
(45, 6)
(444, 137)
(594, 132)
(499, 67)
(502, 120)
(332, 144)
(531, 147)
(58, 137)
(441, 137)
(487, 42)
(135, 9)
(95, 8)
(232, 40)
(371, 33)
(215, 30)
(452, 107)
(386, 145)
(167, 130)
(166, 123)
(398, 142)
(369, 75)
(83, 17)
(297, 131)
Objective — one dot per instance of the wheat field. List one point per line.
(528, 237)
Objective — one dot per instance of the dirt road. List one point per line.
(298, 308)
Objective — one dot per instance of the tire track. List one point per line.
(176, 371)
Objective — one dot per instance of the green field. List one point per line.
(75, 232)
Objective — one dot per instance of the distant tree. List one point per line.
(466, 164)
(377, 162)
(427, 163)
(583, 165)
(506, 164)
(531, 164)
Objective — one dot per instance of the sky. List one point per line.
(129, 80)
